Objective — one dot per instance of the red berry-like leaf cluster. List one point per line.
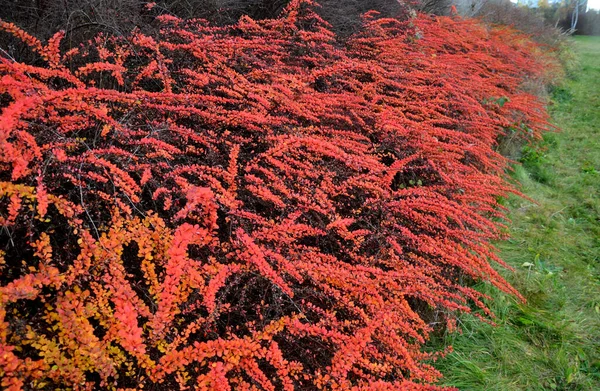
(252, 207)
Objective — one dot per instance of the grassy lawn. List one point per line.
(553, 341)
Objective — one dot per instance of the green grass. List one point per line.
(553, 341)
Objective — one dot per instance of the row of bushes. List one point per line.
(82, 19)
(252, 206)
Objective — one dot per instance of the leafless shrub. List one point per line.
(528, 20)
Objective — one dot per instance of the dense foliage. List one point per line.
(252, 207)
(83, 19)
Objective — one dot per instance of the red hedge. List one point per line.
(251, 207)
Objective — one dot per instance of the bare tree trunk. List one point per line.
(575, 16)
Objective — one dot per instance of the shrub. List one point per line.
(540, 24)
(83, 19)
(251, 207)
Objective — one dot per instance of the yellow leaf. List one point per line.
(105, 130)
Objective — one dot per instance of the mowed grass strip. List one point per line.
(553, 341)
